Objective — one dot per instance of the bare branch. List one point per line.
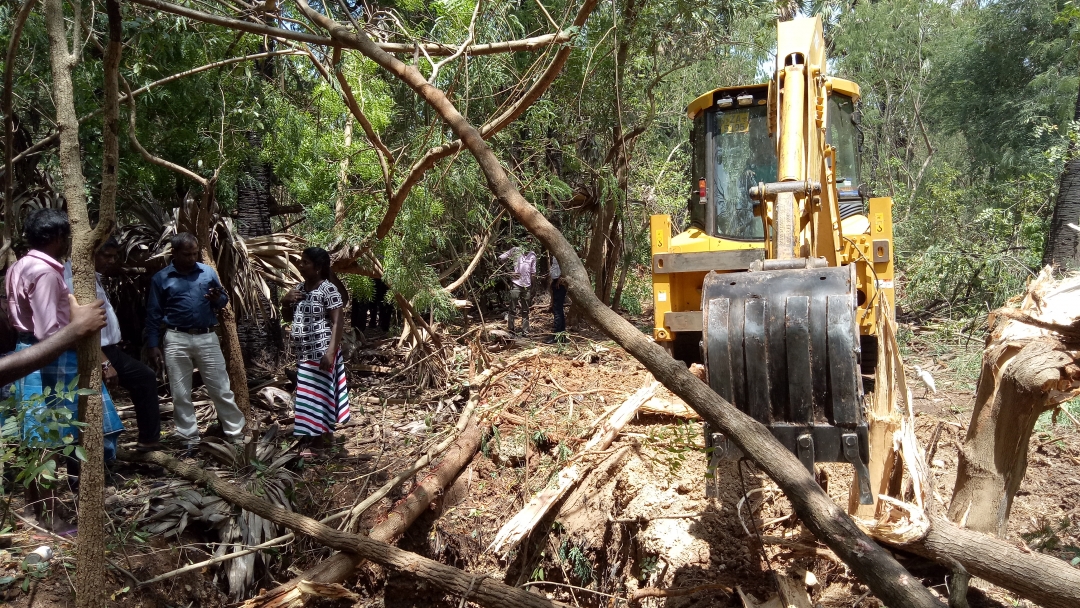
(476, 258)
(489, 129)
(150, 158)
(435, 49)
(386, 159)
(435, 67)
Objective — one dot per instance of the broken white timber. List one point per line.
(521, 524)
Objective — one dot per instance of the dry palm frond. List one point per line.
(248, 267)
(261, 470)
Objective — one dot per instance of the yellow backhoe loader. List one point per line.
(776, 283)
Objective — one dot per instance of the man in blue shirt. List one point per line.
(184, 297)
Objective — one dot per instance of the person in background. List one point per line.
(39, 308)
(315, 308)
(558, 303)
(117, 366)
(521, 286)
(374, 312)
(184, 298)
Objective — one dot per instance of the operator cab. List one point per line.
(734, 148)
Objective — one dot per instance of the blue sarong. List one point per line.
(64, 370)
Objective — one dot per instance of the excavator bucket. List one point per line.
(782, 345)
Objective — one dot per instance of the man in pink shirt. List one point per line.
(38, 306)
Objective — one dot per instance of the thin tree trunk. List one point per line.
(594, 259)
(230, 341)
(1063, 243)
(343, 175)
(90, 556)
(872, 564)
(9, 132)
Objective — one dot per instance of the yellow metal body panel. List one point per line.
(845, 87)
(681, 291)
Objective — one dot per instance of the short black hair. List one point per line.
(44, 226)
(320, 258)
(110, 243)
(181, 239)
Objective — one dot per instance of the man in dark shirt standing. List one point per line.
(184, 297)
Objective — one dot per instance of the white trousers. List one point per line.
(185, 352)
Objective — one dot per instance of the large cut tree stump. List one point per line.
(1029, 366)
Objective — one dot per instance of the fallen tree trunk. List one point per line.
(1043, 579)
(1029, 367)
(340, 565)
(533, 513)
(478, 588)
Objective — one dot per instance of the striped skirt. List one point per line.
(322, 399)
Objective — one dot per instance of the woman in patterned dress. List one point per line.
(315, 309)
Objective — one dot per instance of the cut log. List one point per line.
(1045, 580)
(521, 524)
(1029, 367)
(480, 588)
(339, 566)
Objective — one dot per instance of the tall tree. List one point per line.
(90, 558)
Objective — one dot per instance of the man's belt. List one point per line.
(195, 331)
(26, 337)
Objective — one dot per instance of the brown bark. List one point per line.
(90, 556)
(872, 564)
(480, 589)
(1017, 383)
(341, 565)
(1043, 579)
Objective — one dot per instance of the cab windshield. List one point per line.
(743, 155)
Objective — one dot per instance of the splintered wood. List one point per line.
(521, 524)
(1029, 367)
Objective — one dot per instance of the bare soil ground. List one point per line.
(642, 519)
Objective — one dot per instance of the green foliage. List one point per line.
(573, 555)
(31, 456)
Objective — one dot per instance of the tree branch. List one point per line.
(386, 159)
(55, 137)
(476, 258)
(434, 49)
(155, 160)
(488, 130)
(483, 590)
